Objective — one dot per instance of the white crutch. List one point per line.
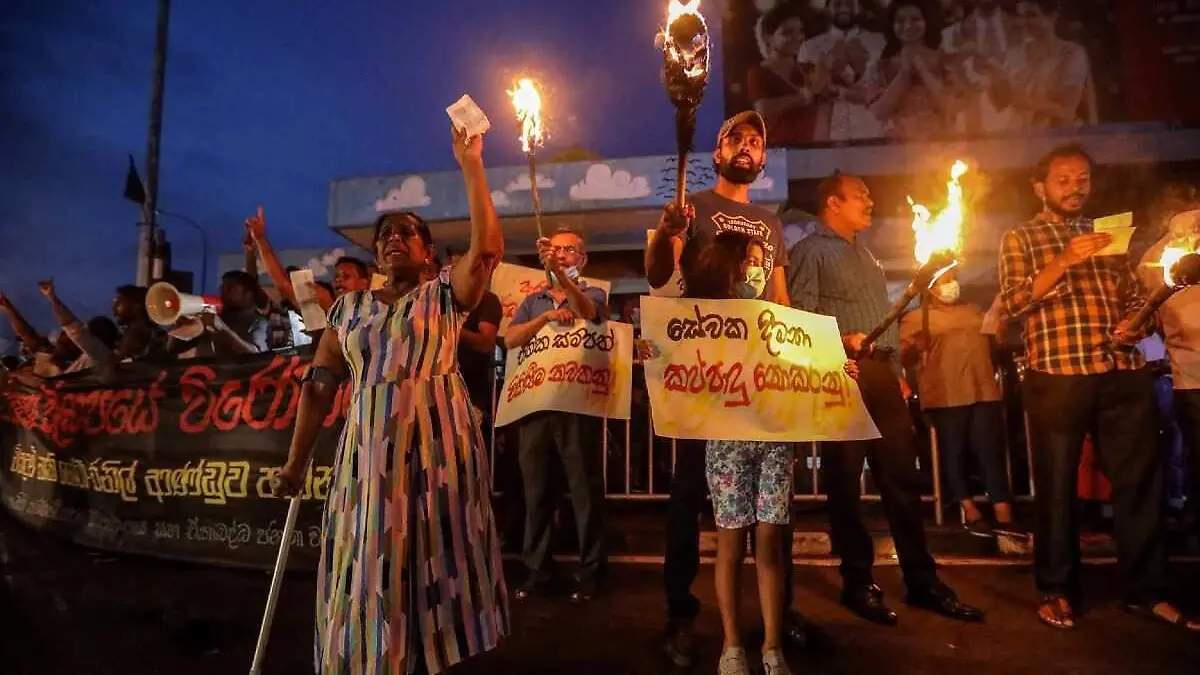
(264, 631)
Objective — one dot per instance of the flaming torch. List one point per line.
(528, 104)
(685, 74)
(938, 243)
(1180, 264)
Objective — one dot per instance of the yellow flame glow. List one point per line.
(942, 232)
(694, 67)
(528, 104)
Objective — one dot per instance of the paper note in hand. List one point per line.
(378, 281)
(310, 309)
(1113, 222)
(468, 117)
(1120, 227)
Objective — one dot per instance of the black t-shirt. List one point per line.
(474, 365)
(716, 214)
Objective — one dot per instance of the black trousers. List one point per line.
(689, 487)
(1118, 409)
(1187, 413)
(893, 462)
(577, 441)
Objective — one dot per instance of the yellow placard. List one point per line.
(585, 368)
(749, 370)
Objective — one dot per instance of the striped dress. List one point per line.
(410, 578)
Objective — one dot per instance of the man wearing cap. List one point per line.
(739, 158)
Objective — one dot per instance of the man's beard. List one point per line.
(737, 174)
(1066, 213)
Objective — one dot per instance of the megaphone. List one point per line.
(165, 304)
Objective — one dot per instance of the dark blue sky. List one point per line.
(267, 101)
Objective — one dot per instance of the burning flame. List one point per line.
(944, 231)
(692, 56)
(1170, 256)
(528, 104)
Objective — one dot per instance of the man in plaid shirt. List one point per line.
(1085, 376)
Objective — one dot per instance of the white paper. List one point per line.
(310, 309)
(467, 116)
(1120, 242)
(1113, 222)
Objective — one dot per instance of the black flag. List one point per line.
(134, 191)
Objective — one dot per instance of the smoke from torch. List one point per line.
(685, 74)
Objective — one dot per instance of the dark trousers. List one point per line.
(980, 426)
(1118, 409)
(689, 487)
(1187, 411)
(893, 462)
(577, 441)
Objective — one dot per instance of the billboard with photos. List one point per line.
(832, 71)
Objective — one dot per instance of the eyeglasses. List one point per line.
(569, 250)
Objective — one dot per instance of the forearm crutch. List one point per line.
(264, 630)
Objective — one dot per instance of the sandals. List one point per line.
(1056, 612)
(1188, 624)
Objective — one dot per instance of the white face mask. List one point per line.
(948, 292)
(571, 272)
(754, 284)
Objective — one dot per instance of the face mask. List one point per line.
(948, 292)
(571, 272)
(754, 284)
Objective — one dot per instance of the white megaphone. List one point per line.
(165, 304)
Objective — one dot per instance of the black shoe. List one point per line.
(980, 527)
(795, 631)
(584, 591)
(680, 643)
(532, 588)
(867, 602)
(941, 599)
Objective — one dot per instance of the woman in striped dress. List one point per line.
(410, 578)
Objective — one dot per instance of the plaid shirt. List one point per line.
(1069, 330)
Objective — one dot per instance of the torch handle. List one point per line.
(1152, 304)
(264, 630)
(892, 316)
(681, 181)
(533, 190)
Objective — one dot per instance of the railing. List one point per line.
(638, 464)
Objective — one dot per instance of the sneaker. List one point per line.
(733, 662)
(773, 663)
(680, 643)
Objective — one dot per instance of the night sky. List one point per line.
(267, 101)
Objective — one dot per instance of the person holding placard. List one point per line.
(410, 578)
(832, 272)
(750, 481)
(1085, 377)
(739, 158)
(576, 438)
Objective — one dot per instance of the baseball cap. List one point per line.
(750, 117)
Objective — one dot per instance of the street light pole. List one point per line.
(149, 207)
(203, 245)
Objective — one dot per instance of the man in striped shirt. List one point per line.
(1085, 376)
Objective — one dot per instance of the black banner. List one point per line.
(174, 462)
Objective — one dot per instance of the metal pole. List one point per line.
(203, 245)
(149, 208)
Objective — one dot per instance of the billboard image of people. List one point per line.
(829, 71)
